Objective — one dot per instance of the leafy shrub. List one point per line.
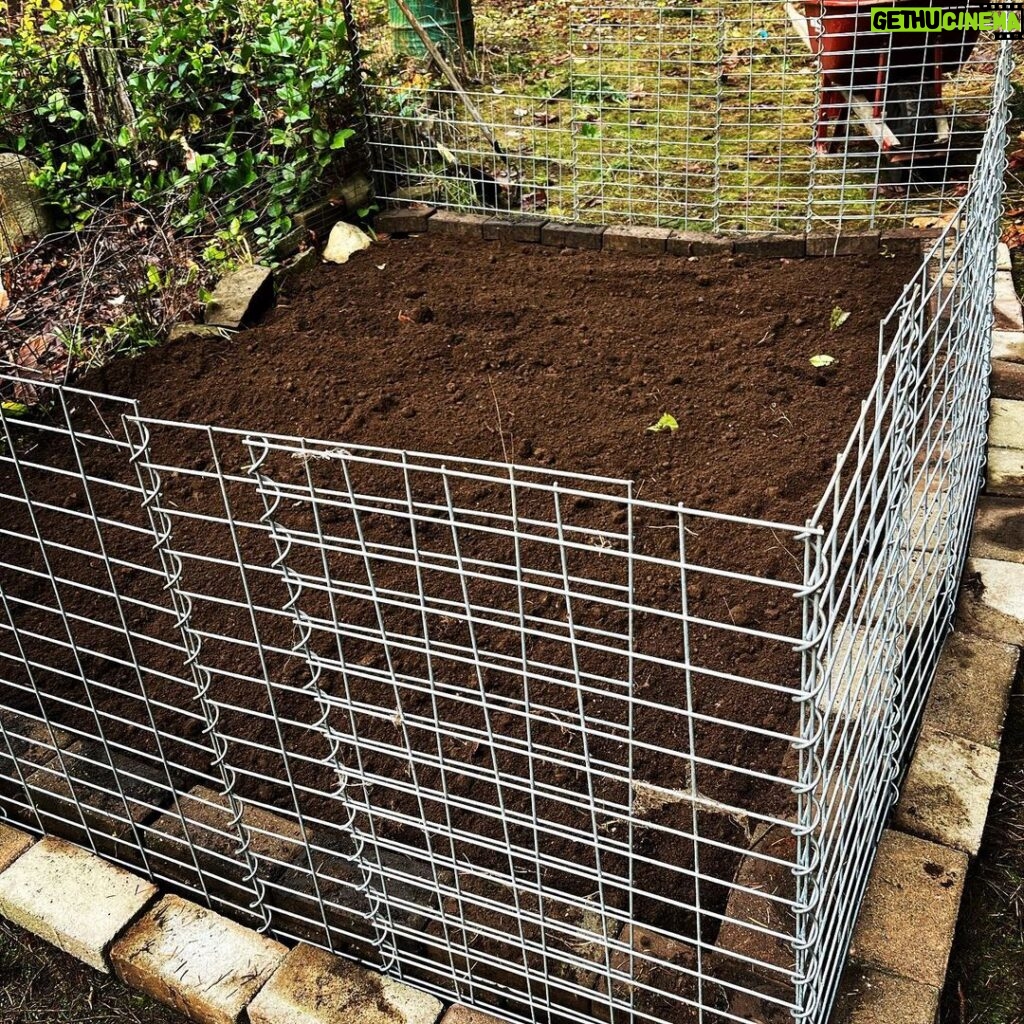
(224, 112)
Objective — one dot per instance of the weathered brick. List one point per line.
(311, 986)
(905, 240)
(910, 909)
(999, 529)
(680, 243)
(1003, 259)
(869, 996)
(853, 244)
(992, 600)
(320, 217)
(635, 238)
(572, 236)
(1006, 424)
(72, 898)
(711, 245)
(946, 793)
(1008, 346)
(1007, 304)
(516, 228)
(1004, 473)
(770, 245)
(81, 784)
(1008, 380)
(462, 225)
(212, 840)
(404, 220)
(12, 845)
(199, 963)
(972, 686)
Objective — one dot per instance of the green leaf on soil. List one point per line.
(822, 360)
(667, 422)
(14, 408)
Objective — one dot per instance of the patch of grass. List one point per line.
(41, 985)
(985, 983)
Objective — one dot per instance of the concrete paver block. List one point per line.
(999, 529)
(32, 744)
(868, 996)
(82, 784)
(72, 898)
(1005, 472)
(459, 1014)
(273, 840)
(311, 986)
(972, 687)
(635, 238)
(1007, 305)
(199, 963)
(947, 790)
(462, 225)
(1007, 380)
(1008, 346)
(859, 244)
(910, 909)
(1003, 260)
(751, 915)
(12, 845)
(1006, 424)
(992, 600)
(514, 228)
(404, 220)
(572, 236)
(711, 245)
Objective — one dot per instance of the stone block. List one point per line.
(905, 240)
(203, 836)
(1003, 260)
(992, 600)
(869, 996)
(1004, 473)
(321, 217)
(946, 793)
(971, 691)
(404, 220)
(1006, 424)
(757, 926)
(311, 986)
(909, 913)
(999, 529)
(12, 845)
(195, 961)
(635, 238)
(1008, 346)
(680, 243)
(72, 898)
(858, 244)
(32, 744)
(857, 681)
(1007, 304)
(772, 246)
(461, 225)
(572, 236)
(1008, 380)
(198, 332)
(241, 297)
(515, 228)
(114, 801)
(711, 245)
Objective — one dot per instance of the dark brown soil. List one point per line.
(559, 361)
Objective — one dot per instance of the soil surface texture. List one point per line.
(395, 604)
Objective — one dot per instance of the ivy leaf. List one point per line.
(823, 360)
(667, 422)
(13, 408)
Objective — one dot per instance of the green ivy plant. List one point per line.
(230, 113)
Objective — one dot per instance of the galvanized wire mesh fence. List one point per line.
(493, 728)
(721, 116)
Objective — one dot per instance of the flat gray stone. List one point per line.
(199, 963)
(992, 600)
(909, 913)
(947, 790)
(23, 212)
(12, 845)
(869, 996)
(1005, 472)
(1006, 424)
(311, 986)
(1008, 345)
(72, 899)
(972, 687)
(241, 298)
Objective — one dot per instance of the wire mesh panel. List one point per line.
(727, 115)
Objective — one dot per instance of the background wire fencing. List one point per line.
(722, 116)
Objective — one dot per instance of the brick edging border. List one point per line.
(420, 219)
